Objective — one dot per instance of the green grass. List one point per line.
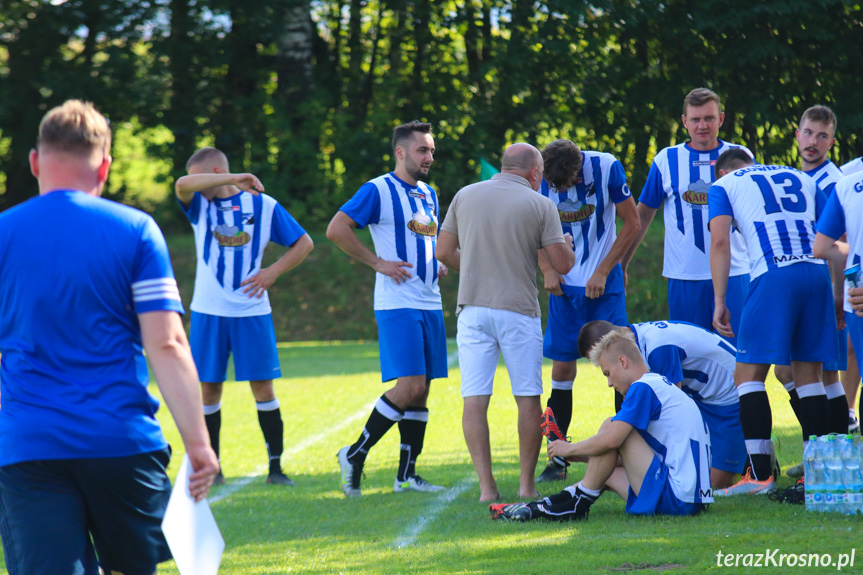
(326, 393)
(329, 296)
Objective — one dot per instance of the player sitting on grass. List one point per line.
(665, 464)
(702, 364)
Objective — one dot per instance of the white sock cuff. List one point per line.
(834, 390)
(810, 390)
(852, 413)
(750, 387)
(268, 405)
(759, 446)
(789, 387)
(388, 410)
(416, 414)
(591, 492)
(564, 385)
(211, 409)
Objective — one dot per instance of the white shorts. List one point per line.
(483, 334)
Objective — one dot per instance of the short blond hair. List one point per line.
(75, 127)
(617, 342)
(207, 154)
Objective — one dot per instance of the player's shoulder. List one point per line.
(603, 157)
(662, 155)
(850, 183)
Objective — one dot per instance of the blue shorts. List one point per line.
(841, 363)
(412, 342)
(855, 332)
(568, 313)
(692, 301)
(656, 496)
(252, 341)
(54, 513)
(789, 315)
(727, 444)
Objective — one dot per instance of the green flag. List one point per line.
(486, 170)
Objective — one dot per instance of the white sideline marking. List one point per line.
(235, 486)
(435, 509)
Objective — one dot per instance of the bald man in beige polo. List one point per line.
(491, 235)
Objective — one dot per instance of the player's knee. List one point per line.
(211, 393)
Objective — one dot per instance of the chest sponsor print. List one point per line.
(231, 236)
(574, 211)
(423, 225)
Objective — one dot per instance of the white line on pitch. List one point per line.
(235, 486)
(435, 509)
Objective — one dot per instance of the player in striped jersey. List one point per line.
(702, 364)
(815, 137)
(658, 435)
(680, 177)
(843, 215)
(589, 190)
(402, 214)
(233, 223)
(788, 317)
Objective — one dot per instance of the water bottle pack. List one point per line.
(832, 467)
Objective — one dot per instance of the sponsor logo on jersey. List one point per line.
(696, 194)
(229, 208)
(230, 236)
(785, 258)
(704, 163)
(416, 194)
(574, 211)
(423, 225)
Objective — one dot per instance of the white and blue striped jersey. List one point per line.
(775, 208)
(681, 176)
(404, 221)
(230, 237)
(701, 361)
(826, 175)
(587, 212)
(671, 424)
(853, 166)
(844, 214)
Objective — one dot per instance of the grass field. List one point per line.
(326, 393)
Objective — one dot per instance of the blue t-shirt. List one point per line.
(75, 272)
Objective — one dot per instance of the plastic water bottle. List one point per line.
(813, 471)
(834, 492)
(851, 476)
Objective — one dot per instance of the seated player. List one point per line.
(658, 435)
(702, 364)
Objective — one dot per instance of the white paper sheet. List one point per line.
(191, 529)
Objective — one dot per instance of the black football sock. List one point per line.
(560, 402)
(757, 423)
(213, 419)
(837, 408)
(794, 401)
(814, 413)
(412, 429)
(383, 416)
(270, 418)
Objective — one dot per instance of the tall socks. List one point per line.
(412, 429)
(383, 416)
(757, 423)
(270, 419)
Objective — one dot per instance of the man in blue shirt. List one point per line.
(82, 457)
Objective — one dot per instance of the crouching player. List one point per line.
(702, 364)
(658, 435)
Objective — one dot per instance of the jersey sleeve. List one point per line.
(552, 232)
(365, 207)
(640, 406)
(617, 188)
(450, 222)
(286, 231)
(718, 203)
(665, 360)
(153, 285)
(831, 223)
(820, 201)
(193, 210)
(652, 193)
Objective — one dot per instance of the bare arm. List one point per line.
(186, 186)
(720, 267)
(609, 438)
(551, 279)
(645, 217)
(446, 251)
(631, 229)
(266, 277)
(829, 249)
(342, 232)
(560, 256)
(168, 351)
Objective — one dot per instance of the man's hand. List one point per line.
(395, 270)
(205, 466)
(248, 182)
(559, 449)
(855, 298)
(553, 281)
(595, 285)
(567, 238)
(442, 270)
(722, 320)
(259, 283)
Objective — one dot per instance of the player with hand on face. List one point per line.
(231, 314)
